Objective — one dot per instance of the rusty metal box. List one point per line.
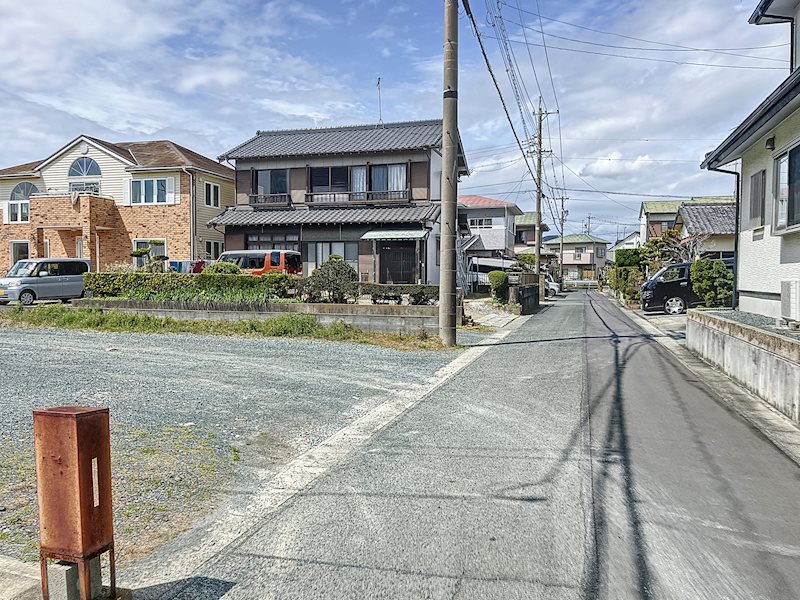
(73, 468)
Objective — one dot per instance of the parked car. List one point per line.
(670, 289)
(44, 279)
(259, 262)
(551, 286)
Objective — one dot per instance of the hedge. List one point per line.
(499, 282)
(627, 280)
(188, 286)
(388, 292)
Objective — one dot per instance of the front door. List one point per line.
(398, 262)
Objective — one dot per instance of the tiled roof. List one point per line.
(709, 219)
(389, 214)
(472, 201)
(19, 169)
(577, 238)
(672, 206)
(154, 154)
(526, 218)
(354, 139)
(163, 153)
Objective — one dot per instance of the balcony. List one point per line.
(270, 199)
(375, 197)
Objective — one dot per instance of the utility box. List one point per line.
(73, 472)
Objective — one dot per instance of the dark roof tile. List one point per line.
(243, 216)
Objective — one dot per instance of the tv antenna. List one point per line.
(380, 108)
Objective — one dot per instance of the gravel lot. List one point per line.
(759, 321)
(195, 420)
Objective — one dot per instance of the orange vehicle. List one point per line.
(259, 262)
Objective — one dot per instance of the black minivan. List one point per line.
(670, 289)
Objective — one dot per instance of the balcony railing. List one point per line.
(270, 199)
(356, 197)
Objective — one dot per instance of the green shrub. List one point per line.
(627, 257)
(712, 282)
(499, 282)
(222, 267)
(201, 287)
(388, 292)
(628, 280)
(334, 281)
(526, 263)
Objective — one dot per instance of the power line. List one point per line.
(648, 59)
(640, 48)
(637, 39)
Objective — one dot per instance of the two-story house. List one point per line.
(525, 237)
(657, 216)
(100, 200)
(629, 242)
(767, 144)
(491, 223)
(584, 255)
(369, 193)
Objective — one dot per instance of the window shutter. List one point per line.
(126, 192)
(171, 197)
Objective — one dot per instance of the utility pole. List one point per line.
(563, 219)
(588, 224)
(447, 259)
(539, 119)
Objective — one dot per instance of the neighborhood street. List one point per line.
(576, 458)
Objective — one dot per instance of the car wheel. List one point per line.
(3, 302)
(65, 300)
(27, 298)
(675, 306)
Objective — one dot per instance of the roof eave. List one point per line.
(762, 16)
(786, 97)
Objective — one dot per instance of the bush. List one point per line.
(388, 292)
(628, 281)
(499, 282)
(120, 267)
(526, 263)
(627, 257)
(712, 282)
(189, 286)
(334, 280)
(222, 267)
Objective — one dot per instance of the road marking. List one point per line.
(296, 476)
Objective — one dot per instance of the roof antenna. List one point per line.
(380, 108)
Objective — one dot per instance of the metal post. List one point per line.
(447, 273)
(539, 118)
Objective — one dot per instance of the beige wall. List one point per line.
(203, 213)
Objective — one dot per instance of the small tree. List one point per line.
(336, 279)
(499, 282)
(671, 248)
(628, 257)
(526, 263)
(713, 282)
(152, 263)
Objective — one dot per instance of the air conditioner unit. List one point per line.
(790, 300)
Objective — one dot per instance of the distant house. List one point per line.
(656, 216)
(767, 144)
(632, 240)
(525, 238)
(584, 255)
(100, 200)
(491, 226)
(369, 193)
(713, 224)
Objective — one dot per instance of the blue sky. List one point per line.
(208, 76)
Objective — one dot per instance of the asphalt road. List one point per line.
(576, 459)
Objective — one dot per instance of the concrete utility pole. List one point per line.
(447, 259)
(539, 119)
(563, 220)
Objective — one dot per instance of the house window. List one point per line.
(19, 250)
(214, 249)
(158, 247)
(152, 191)
(19, 203)
(84, 167)
(212, 195)
(273, 241)
(787, 196)
(578, 252)
(601, 252)
(389, 179)
(317, 253)
(481, 223)
(90, 187)
(757, 198)
(270, 181)
(330, 179)
(667, 225)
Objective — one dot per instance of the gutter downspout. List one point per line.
(737, 198)
(192, 213)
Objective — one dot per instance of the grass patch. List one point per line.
(287, 325)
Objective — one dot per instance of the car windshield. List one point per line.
(658, 273)
(23, 268)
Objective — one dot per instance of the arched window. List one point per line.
(84, 167)
(19, 203)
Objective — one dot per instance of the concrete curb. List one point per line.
(773, 424)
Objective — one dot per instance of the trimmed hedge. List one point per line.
(389, 292)
(499, 282)
(188, 286)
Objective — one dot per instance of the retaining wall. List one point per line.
(387, 318)
(766, 363)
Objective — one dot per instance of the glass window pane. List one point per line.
(781, 213)
(216, 195)
(278, 182)
(339, 181)
(136, 192)
(397, 177)
(162, 190)
(793, 205)
(149, 192)
(351, 251)
(320, 179)
(24, 207)
(338, 248)
(358, 179)
(13, 212)
(379, 178)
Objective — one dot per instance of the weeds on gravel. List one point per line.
(287, 325)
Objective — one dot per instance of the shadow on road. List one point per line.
(194, 588)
